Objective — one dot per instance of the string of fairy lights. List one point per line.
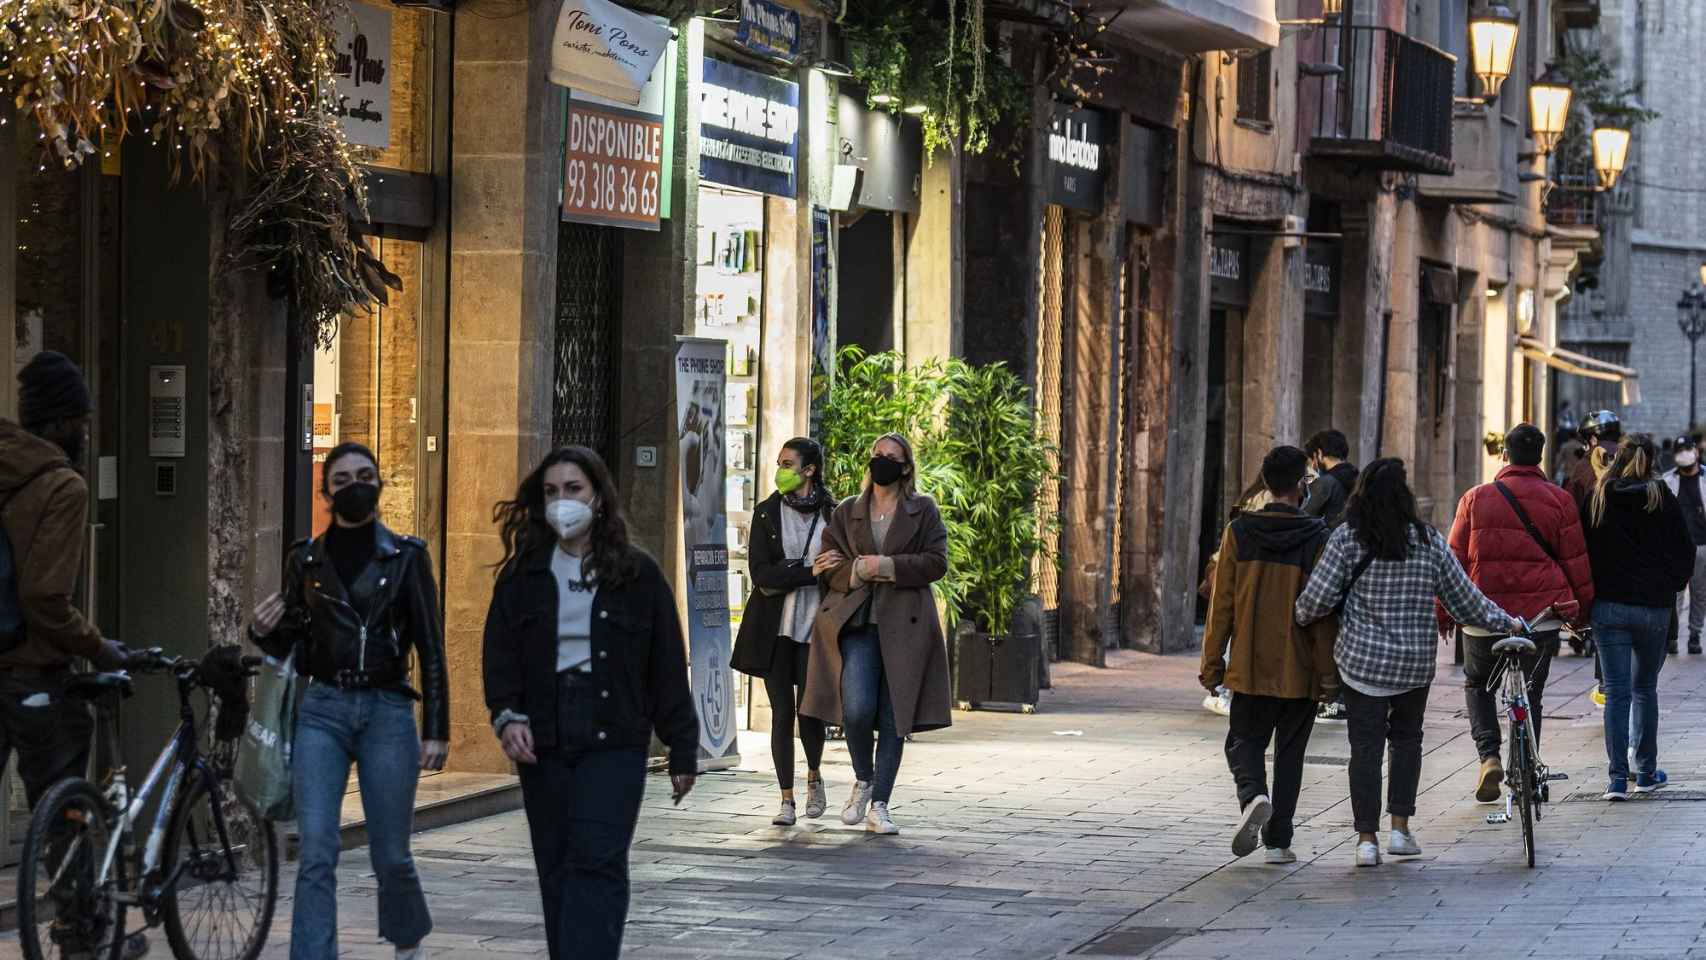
(249, 80)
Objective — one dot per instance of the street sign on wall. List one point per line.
(749, 129)
(1321, 278)
(769, 29)
(1077, 158)
(361, 66)
(606, 49)
(1229, 270)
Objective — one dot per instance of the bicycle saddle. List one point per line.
(93, 686)
(1521, 646)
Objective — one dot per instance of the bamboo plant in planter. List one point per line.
(1003, 461)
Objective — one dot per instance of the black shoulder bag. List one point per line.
(1361, 568)
(1528, 524)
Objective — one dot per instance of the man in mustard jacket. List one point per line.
(1277, 670)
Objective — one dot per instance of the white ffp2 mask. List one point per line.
(570, 518)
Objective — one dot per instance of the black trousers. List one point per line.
(1382, 725)
(786, 686)
(1254, 722)
(582, 806)
(1478, 664)
(51, 740)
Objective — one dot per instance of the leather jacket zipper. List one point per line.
(361, 650)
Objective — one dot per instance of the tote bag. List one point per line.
(263, 755)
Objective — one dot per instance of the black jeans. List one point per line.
(786, 685)
(1379, 725)
(1255, 721)
(51, 739)
(582, 806)
(1478, 664)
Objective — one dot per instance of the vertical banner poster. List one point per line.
(701, 378)
(823, 349)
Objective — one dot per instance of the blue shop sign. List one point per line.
(770, 29)
(749, 129)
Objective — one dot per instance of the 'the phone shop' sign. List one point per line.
(749, 129)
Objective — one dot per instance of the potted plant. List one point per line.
(1003, 461)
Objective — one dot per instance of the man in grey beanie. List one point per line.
(44, 507)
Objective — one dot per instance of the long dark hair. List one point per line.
(1636, 461)
(342, 450)
(524, 530)
(1382, 511)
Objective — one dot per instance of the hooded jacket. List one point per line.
(46, 511)
(1503, 560)
(1640, 558)
(1265, 560)
(1330, 492)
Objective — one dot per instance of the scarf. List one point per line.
(813, 502)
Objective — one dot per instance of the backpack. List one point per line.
(11, 608)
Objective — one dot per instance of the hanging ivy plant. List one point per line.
(1598, 100)
(940, 58)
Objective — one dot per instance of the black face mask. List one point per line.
(356, 502)
(884, 472)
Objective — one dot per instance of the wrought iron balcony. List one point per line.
(1572, 201)
(1391, 107)
(1577, 14)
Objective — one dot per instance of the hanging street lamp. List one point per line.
(1492, 47)
(1548, 110)
(1691, 320)
(1610, 153)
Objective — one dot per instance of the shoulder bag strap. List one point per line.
(807, 549)
(1356, 574)
(1533, 531)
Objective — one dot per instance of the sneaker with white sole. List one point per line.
(1649, 782)
(853, 813)
(816, 801)
(880, 822)
(1618, 790)
(1256, 815)
(1403, 843)
(416, 952)
(1368, 854)
(1280, 855)
(785, 816)
(1218, 704)
(1332, 713)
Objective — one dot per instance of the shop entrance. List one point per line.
(865, 311)
(1220, 439)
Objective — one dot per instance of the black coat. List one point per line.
(771, 568)
(1639, 558)
(397, 591)
(639, 659)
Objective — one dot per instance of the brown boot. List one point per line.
(1491, 780)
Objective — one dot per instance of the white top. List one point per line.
(574, 613)
(799, 607)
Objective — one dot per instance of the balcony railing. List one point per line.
(1572, 200)
(1390, 108)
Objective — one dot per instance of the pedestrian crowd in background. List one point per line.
(1328, 597)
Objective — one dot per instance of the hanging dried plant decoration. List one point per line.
(198, 78)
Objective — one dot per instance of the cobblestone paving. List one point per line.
(1099, 827)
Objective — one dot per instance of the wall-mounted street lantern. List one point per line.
(1492, 47)
(1691, 320)
(1610, 153)
(1548, 110)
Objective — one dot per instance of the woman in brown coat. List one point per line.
(877, 628)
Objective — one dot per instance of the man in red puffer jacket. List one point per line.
(1511, 565)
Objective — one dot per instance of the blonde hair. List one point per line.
(1635, 458)
(908, 483)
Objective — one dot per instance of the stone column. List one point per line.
(506, 134)
(1368, 229)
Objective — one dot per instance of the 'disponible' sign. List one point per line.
(362, 68)
(612, 166)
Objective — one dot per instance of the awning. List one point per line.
(1582, 365)
(605, 50)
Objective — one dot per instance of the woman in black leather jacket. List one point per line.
(356, 604)
(583, 661)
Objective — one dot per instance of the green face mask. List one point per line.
(788, 480)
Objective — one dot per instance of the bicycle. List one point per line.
(1527, 777)
(209, 862)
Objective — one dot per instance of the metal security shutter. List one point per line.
(589, 278)
(1050, 323)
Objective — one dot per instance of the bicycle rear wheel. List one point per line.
(63, 908)
(1522, 770)
(220, 907)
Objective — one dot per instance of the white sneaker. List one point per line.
(1220, 704)
(816, 801)
(785, 817)
(416, 952)
(1403, 843)
(880, 821)
(1368, 854)
(1256, 816)
(853, 813)
(1280, 855)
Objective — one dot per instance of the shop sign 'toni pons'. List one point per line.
(1079, 156)
(749, 129)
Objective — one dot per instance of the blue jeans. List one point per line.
(375, 729)
(867, 712)
(1631, 642)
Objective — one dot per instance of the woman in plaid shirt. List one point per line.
(1385, 568)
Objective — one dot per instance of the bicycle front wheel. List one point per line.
(1526, 789)
(223, 882)
(64, 908)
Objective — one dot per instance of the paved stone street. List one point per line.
(1099, 827)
